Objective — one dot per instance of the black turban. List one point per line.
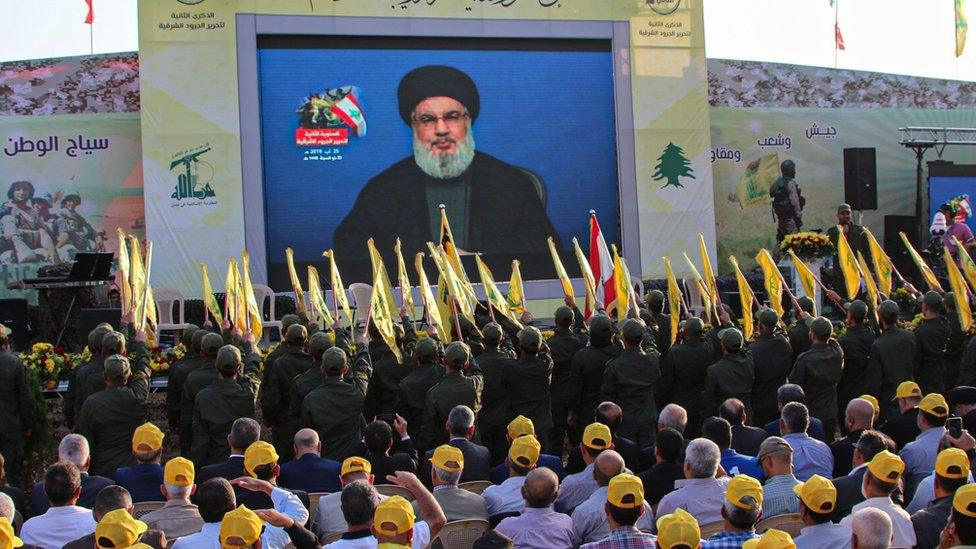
(437, 81)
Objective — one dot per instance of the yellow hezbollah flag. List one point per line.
(560, 271)
(961, 27)
(848, 264)
(137, 281)
(406, 290)
(240, 318)
(706, 297)
(338, 290)
(807, 279)
(147, 305)
(253, 311)
(296, 285)
(772, 280)
(495, 297)
(674, 299)
(516, 293)
(968, 267)
(454, 258)
(882, 264)
(450, 288)
(209, 301)
(868, 281)
(122, 275)
(708, 272)
(755, 182)
(621, 283)
(380, 269)
(588, 283)
(230, 289)
(927, 273)
(958, 286)
(746, 298)
(317, 299)
(427, 295)
(379, 309)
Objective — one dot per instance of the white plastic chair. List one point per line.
(459, 534)
(361, 294)
(264, 293)
(165, 297)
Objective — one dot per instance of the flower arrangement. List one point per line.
(913, 323)
(45, 362)
(807, 245)
(161, 360)
(906, 301)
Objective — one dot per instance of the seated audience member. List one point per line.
(962, 401)
(951, 473)
(143, 480)
(786, 394)
(178, 517)
(719, 431)
(771, 539)
(309, 471)
(674, 417)
(7, 538)
(73, 449)
(577, 487)
(15, 493)
(590, 517)
(858, 417)
(849, 486)
(506, 498)
(810, 456)
(7, 508)
(874, 403)
(243, 433)
(477, 458)
(446, 468)
(111, 498)
(118, 529)
(919, 455)
(880, 480)
(818, 506)
(611, 415)
(393, 523)
(521, 426)
(624, 507)
(378, 439)
(741, 511)
(679, 530)
(668, 467)
(870, 529)
(539, 525)
(745, 438)
(329, 519)
(261, 462)
(776, 460)
(903, 427)
(700, 493)
(925, 491)
(961, 528)
(64, 520)
(241, 528)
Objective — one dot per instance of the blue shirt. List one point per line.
(142, 481)
(810, 457)
(735, 463)
(312, 474)
(500, 473)
(729, 540)
(919, 456)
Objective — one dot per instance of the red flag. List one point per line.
(601, 263)
(838, 37)
(91, 13)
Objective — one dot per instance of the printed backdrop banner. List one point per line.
(69, 182)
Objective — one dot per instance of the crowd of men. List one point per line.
(605, 435)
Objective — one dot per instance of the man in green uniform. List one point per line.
(856, 344)
(414, 386)
(287, 321)
(335, 409)
(818, 371)
(178, 373)
(527, 381)
(108, 417)
(462, 384)
(75, 395)
(799, 332)
(662, 321)
(629, 381)
(956, 344)
(196, 381)
(931, 338)
(892, 359)
(773, 358)
(230, 396)
(730, 377)
(857, 237)
(589, 363)
(495, 407)
(16, 408)
(569, 337)
(685, 366)
(312, 379)
(384, 384)
(294, 361)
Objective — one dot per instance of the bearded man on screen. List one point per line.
(494, 207)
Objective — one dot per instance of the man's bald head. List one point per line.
(307, 439)
(860, 414)
(540, 488)
(606, 466)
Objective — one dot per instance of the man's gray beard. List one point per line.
(444, 166)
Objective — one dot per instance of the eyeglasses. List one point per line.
(452, 119)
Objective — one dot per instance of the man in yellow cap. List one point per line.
(178, 517)
(143, 480)
(624, 507)
(903, 426)
(951, 474)
(118, 529)
(576, 488)
(7, 538)
(960, 531)
(678, 530)
(590, 517)
(880, 480)
(446, 467)
(521, 426)
(393, 523)
(771, 539)
(741, 510)
(329, 519)
(261, 462)
(818, 507)
(919, 455)
(506, 498)
(240, 529)
(874, 402)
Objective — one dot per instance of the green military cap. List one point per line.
(96, 335)
(655, 298)
(211, 343)
(197, 341)
(932, 299)
(530, 337)
(492, 332)
(296, 333)
(950, 300)
(632, 330)
(117, 367)
(857, 309)
(731, 338)
(889, 309)
(186, 338)
(457, 354)
(843, 208)
(318, 343)
(806, 304)
(288, 320)
(113, 342)
(768, 317)
(600, 325)
(564, 316)
(333, 359)
(228, 359)
(694, 326)
(645, 315)
(821, 327)
(426, 349)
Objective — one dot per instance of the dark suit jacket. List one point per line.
(628, 449)
(746, 439)
(84, 542)
(816, 429)
(91, 485)
(848, 493)
(230, 469)
(311, 473)
(477, 461)
(902, 429)
(843, 451)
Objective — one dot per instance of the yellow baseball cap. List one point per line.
(354, 464)
(952, 463)
(147, 438)
(886, 466)
(388, 545)
(965, 500)
(874, 401)
(525, 451)
(258, 454)
(771, 539)
(678, 528)
(118, 529)
(393, 516)
(934, 404)
(818, 494)
(447, 458)
(7, 537)
(597, 436)
(240, 528)
(907, 389)
(741, 486)
(625, 491)
(520, 426)
(178, 472)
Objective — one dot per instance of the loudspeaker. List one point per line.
(89, 318)
(895, 248)
(13, 314)
(860, 178)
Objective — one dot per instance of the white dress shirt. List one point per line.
(590, 518)
(421, 539)
(824, 536)
(505, 497)
(901, 521)
(58, 526)
(273, 537)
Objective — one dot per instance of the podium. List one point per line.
(794, 279)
